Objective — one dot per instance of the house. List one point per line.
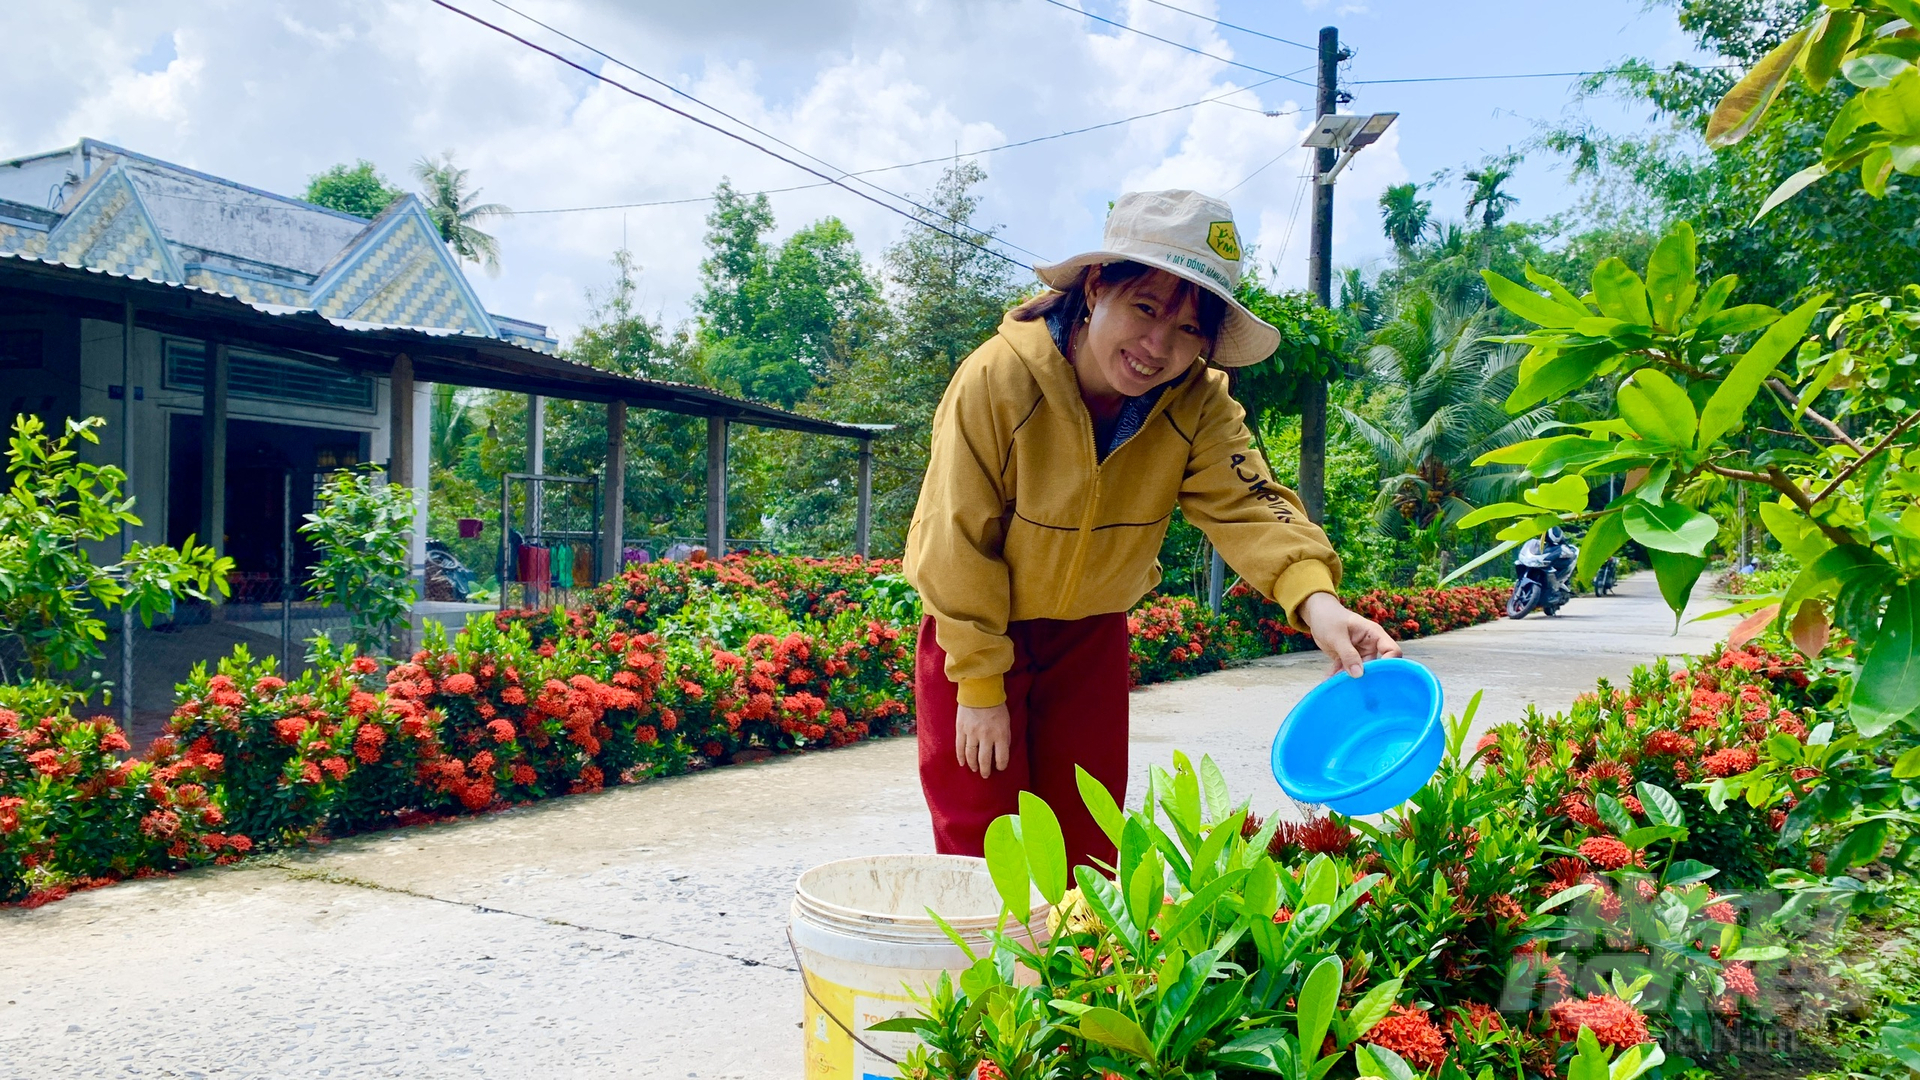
(234, 337)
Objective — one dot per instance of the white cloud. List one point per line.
(268, 93)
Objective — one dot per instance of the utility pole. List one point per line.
(1313, 397)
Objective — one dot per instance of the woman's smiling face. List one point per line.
(1140, 333)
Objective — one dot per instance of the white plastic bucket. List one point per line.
(865, 944)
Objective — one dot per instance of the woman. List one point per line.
(1059, 452)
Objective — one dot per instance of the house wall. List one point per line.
(99, 349)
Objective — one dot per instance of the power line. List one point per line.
(1530, 75)
(1257, 172)
(736, 136)
(1169, 41)
(1230, 26)
(1219, 100)
(844, 174)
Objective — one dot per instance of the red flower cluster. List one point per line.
(1613, 1022)
(1408, 1032)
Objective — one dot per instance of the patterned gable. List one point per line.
(20, 239)
(110, 229)
(400, 273)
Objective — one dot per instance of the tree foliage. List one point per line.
(52, 592)
(352, 189)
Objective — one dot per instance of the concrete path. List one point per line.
(635, 933)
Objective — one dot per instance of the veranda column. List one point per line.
(213, 448)
(400, 463)
(863, 516)
(716, 486)
(613, 501)
(536, 458)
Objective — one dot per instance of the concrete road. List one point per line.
(635, 933)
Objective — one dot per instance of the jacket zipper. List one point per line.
(1072, 587)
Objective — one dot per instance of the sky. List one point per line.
(269, 92)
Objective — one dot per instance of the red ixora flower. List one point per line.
(1407, 1031)
(1668, 744)
(1729, 762)
(460, 684)
(1613, 1022)
(1606, 852)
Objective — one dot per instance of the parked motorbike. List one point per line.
(1608, 576)
(1543, 575)
(447, 577)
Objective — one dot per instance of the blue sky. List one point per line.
(269, 92)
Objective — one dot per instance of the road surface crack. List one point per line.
(332, 878)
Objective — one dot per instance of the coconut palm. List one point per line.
(453, 207)
(1404, 216)
(1444, 388)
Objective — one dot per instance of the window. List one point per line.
(269, 378)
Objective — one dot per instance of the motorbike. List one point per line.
(1543, 576)
(446, 574)
(1607, 577)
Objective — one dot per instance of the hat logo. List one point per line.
(1224, 241)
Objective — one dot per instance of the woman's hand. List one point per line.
(983, 739)
(1341, 634)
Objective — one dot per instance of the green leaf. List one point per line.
(1738, 320)
(1669, 527)
(1651, 834)
(1672, 277)
(1908, 765)
(1740, 110)
(1657, 408)
(1046, 848)
(1372, 1008)
(1661, 807)
(1676, 574)
(1560, 293)
(1613, 814)
(1754, 954)
(1378, 1061)
(1316, 1001)
(1496, 512)
(1525, 530)
(1562, 372)
(1570, 454)
(1888, 686)
(1213, 785)
(1715, 299)
(1604, 537)
(1791, 186)
(1007, 864)
(1688, 872)
(1833, 34)
(1797, 533)
(1530, 305)
(1564, 896)
(1729, 402)
(1861, 846)
(1116, 1031)
(1106, 813)
(1521, 452)
(1568, 494)
(1620, 292)
(1873, 70)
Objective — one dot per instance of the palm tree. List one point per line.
(1445, 387)
(453, 208)
(1404, 216)
(452, 422)
(1487, 197)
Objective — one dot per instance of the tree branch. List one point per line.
(1793, 401)
(1854, 465)
(1777, 479)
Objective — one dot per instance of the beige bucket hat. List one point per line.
(1189, 235)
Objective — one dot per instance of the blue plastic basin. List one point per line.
(1362, 745)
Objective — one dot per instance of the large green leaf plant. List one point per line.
(1174, 964)
(52, 592)
(1843, 482)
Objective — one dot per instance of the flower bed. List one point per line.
(674, 666)
(1571, 889)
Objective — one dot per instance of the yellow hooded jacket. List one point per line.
(1018, 519)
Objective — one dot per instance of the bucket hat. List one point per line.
(1190, 236)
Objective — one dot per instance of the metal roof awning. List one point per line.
(438, 356)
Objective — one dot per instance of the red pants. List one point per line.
(1067, 695)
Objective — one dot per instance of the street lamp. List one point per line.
(1348, 134)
